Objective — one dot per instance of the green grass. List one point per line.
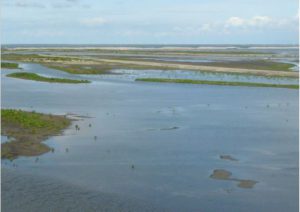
(36, 77)
(9, 65)
(80, 69)
(29, 120)
(28, 130)
(206, 82)
(101, 67)
(37, 58)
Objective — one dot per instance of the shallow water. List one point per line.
(130, 75)
(135, 156)
(196, 75)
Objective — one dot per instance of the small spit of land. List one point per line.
(36, 77)
(9, 65)
(207, 82)
(28, 130)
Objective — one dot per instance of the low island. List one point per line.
(26, 131)
(10, 65)
(226, 83)
(36, 77)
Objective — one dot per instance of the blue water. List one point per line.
(173, 134)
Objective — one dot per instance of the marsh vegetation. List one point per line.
(9, 65)
(28, 130)
(104, 64)
(207, 82)
(36, 77)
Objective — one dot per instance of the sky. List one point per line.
(149, 22)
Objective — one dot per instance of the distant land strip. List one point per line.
(225, 83)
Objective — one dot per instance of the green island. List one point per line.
(9, 65)
(226, 83)
(26, 131)
(36, 77)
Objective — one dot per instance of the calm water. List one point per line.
(122, 75)
(173, 134)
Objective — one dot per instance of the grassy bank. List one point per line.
(36, 77)
(38, 58)
(101, 67)
(206, 82)
(9, 65)
(254, 64)
(28, 130)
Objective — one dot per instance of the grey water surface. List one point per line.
(158, 144)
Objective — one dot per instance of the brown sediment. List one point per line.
(246, 183)
(221, 174)
(228, 157)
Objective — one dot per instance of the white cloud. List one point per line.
(206, 27)
(96, 21)
(260, 21)
(235, 22)
(239, 24)
(256, 21)
(29, 4)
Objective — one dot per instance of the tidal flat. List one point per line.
(154, 147)
(87, 64)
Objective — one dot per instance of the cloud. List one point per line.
(61, 5)
(206, 27)
(29, 5)
(255, 21)
(260, 21)
(235, 22)
(238, 24)
(96, 21)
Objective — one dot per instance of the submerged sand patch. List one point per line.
(221, 174)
